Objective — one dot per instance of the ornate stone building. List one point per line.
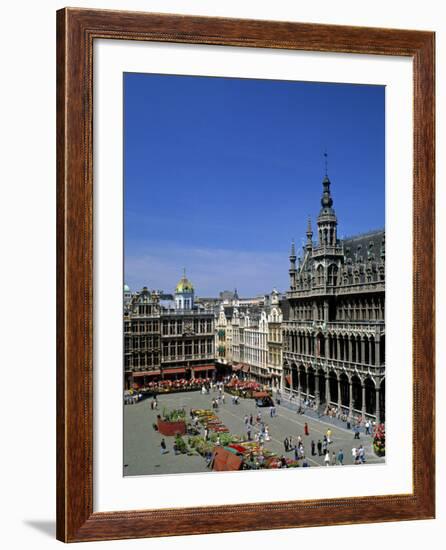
(334, 331)
(142, 354)
(274, 339)
(187, 336)
(163, 342)
(249, 338)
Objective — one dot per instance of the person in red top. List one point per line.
(306, 430)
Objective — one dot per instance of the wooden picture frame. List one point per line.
(76, 31)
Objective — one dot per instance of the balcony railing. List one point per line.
(362, 326)
(339, 290)
(337, 364)
(187, 313)
(193, 357)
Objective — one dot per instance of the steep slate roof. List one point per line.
(360, 247)
(285, 307)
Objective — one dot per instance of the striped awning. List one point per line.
(200, 368)
(140, 374)
(174, 371)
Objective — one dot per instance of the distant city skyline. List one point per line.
(221, 174)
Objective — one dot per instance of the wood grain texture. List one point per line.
(76, 31)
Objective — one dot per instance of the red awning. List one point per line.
(200, 368)
(146, 373)
(259, 394)
(174, 371)
(225, 461)
(288, 379)
(245, 368)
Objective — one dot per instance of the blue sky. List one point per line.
(220, 174)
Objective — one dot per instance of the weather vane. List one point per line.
(326, 162)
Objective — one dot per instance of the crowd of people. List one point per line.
(256, 429)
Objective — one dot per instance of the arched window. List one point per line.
(332, 275)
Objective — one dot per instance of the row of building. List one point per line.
(322, 341)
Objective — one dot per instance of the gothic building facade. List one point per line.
(142, 351)
(334, 329)
(187, 336)
(249, 338)
(167, 341)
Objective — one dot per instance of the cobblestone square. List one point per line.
(142, 454)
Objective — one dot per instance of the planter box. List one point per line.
(171, 428)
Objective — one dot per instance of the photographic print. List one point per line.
(254, 274)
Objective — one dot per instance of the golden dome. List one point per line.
(184, 285)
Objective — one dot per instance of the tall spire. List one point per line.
(292, 269)
(293, 257)
(309, 244)
(327, 220)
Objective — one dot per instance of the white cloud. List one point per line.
(210, 270)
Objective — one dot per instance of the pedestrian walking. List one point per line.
(356, 432)
(327, 459)
(333, 458)
(163, 447)
(306, 430)
(341, 457)
(313, 448)
(329, 436)
(286, 444)
(319, 447)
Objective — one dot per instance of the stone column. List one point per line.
(325, 310)
(377, 352)
(339, 394)
(363, 400)
(377, 408)
(317, 396)
(338, 347)
(362, 349)
(327, 389)
(350, 399)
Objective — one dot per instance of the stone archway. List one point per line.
(356, 392)
(370, 396)
(322, 396)
(303, 379)
(311, 382)
(333, 383)
(321, 351)
(345, 389)
(382, 401)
